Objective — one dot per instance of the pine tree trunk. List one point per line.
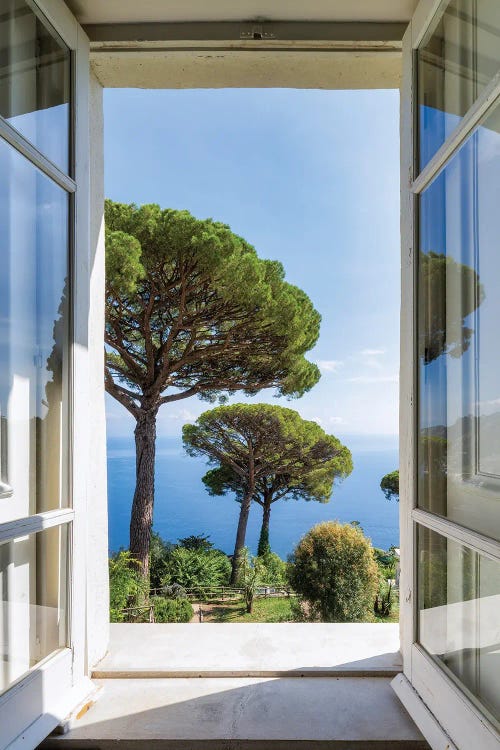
(264, 546)
(241, 534)
(141, 520)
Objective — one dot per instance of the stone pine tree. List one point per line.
(264, 453)
(192, 310)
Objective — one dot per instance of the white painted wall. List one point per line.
(97, 521)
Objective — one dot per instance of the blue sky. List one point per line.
(310, 178)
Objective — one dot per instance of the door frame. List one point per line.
(33, 706)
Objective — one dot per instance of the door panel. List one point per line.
(450, 424)
(39, 87)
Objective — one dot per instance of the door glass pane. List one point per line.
(459, 623)
(32, 601)
(458, 325)
(35, 81)
(456, 60)
(34, 332)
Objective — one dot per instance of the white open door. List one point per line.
(43, 74)
(450, 373)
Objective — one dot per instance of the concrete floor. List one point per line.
(246, 687)
(351, 713)
(251, 650)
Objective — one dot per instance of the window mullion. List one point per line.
(472, 539)
(470, 121)
(15, 139)
(33, 524)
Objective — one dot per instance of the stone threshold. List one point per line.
(255, 650)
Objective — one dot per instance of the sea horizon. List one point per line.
(183, 506)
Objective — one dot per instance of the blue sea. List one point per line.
(183, 507)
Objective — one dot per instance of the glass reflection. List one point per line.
(32, 601)
(460, 55)
(35, 81)
(459, 314)
(459, 601)
(34, 335)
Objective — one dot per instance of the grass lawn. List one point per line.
(274, 609)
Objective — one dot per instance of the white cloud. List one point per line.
(372, 352)
(336, 420)
(330, 365)
(183, 415)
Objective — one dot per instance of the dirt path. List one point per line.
(206, 609)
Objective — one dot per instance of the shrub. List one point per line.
(197, 542)
(250, 576)
(197, 569)
(171, 610)
(274, 570)
(386, 561)
(126, 586)
(334, 573)
(159, 552)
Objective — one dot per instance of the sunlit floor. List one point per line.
(252, 685)
(251, 650)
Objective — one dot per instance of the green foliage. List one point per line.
(195, 569)
(159, 551)
(333, 571)
(126, 586)
(293, 457)
(273, 570)
(384, 598)
(198, 543)
(171, 610)
(250, 576)
(386, 561)
(390, 485)
(264, 547)
(266, 452)
(192, 309)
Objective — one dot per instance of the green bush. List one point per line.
(386, 561)
(250, 576)
(159, 552)
(334, 573)
(171, 610)
(197, 542)
(274, 570)
(126, 586)
(192, 568)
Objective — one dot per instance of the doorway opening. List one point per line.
(310, 179)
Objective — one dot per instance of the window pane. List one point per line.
(35, 81)
(459, 57)
(34, 334)
(459, 314)
(459, 602)
(32, 601)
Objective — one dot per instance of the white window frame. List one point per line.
(441, 709)
(37, 702)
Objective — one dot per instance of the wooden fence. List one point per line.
(226, 593)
